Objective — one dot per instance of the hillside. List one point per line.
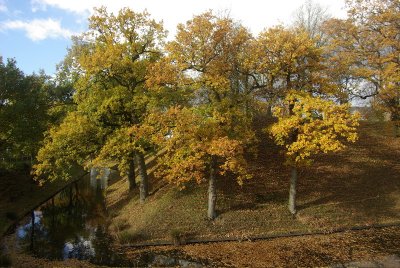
(357, 187)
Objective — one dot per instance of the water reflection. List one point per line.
(73, 224)
(99, 177)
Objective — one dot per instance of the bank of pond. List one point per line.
(74, 223)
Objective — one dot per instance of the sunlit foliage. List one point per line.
(312, 126)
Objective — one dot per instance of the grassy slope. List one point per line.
(359, 186)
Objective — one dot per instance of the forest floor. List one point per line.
(356, 187)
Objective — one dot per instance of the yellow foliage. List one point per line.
(72, 143)
(312, 126)
(284, 59)
(112, 59)
(190, 139)
(202, 72)
(366, 47)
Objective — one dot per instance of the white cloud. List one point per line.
(81, 7)
(38, 29)
(3, 7)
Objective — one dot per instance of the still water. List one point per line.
(74, 224)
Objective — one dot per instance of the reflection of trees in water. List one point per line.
(73, 225)
(103, 246)
(79, 248)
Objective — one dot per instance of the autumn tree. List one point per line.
(378, 24)
(111, 60)
(210, 129)
(308, 126)
(287, 59)
(368, 44)
(68, 146)
(291, 68)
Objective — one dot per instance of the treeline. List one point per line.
(29, 105)
(193, 99)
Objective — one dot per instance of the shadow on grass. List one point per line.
(362, 182)
(354, 187)
(363, 179)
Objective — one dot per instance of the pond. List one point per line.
(74, 224)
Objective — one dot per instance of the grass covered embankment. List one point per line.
(357, 187)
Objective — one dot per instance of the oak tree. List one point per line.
(111, 61)
(308, 126)
(288, 59)
(368, 43)
(210, 128)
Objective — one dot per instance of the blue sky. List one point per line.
(37, 33)
(36, 36)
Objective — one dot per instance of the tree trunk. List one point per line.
(212, 194)
(131, 175)
(144, 181)
(293, 178)
(293, 191)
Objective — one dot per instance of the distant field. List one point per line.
(357, 187)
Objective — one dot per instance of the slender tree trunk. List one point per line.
(131, 175)
(293, 191)
(144, 181)
(212, 194)
(293, 178)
